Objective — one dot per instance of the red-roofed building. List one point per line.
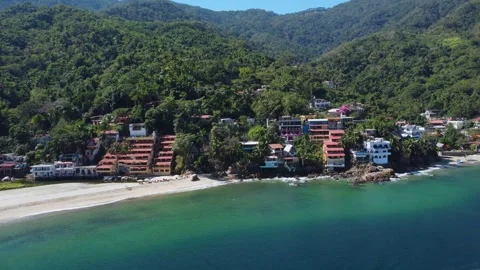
(164, 160)
(333, 152)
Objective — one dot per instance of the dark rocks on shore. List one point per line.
(369, 174)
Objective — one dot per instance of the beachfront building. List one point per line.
(64, 169)
(86, 172)
(137, 130)
(320, 104)
(379, 150)
(43, 171)
(273, 162)
(333, 155)
(290, 128)
(360, 156)
(164, 160)
(318, 130)
(139, 155)
(7, 169)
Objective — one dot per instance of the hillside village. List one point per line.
(321, 141)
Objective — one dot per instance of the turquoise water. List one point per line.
(429, 222)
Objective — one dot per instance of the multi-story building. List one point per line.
(318, 130)
(379, 150)
(164, 159)
(333, 155)
(290, 128)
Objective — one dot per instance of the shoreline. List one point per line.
(25, 203)
(30, 202)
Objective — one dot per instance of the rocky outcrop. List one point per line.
(369, 174)
(383, 175)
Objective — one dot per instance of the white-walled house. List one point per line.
(379, 150)
(412, 131)
(137, 130)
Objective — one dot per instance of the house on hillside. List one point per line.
(290, 128)
(137, 130)
(320, 104)
(111, 135)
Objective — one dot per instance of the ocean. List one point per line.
(423, 222)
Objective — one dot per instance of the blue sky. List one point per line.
(278, 6)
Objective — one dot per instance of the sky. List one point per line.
(278, 6)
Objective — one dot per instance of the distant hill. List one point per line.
(305, 34)
(83, 4)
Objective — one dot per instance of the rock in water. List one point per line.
(383, 175)
(195, 178)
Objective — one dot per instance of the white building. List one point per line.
(137, 130)
(412, 131)
(457, 124)
(43, 171)
(320, 104)
(379, 150)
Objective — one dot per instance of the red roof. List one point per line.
(435, 122)
(337, 131)
(163, 164)
(335, 149)
(328, 143)
(7, 165)
(104, 167)
(335, 155)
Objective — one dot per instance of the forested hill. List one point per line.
(83, 4)
(305, 34)
(63, 63)
(403, 73)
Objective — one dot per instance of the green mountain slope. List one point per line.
(69, 62)
(402, 73)
(306, 33)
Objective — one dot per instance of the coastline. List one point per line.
(35, 201)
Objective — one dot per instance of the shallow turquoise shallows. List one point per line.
(426, 222)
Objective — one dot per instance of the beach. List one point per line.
(26, 202)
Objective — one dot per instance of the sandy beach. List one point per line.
(26, 202)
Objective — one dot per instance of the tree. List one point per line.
(453, 137)
(308, 152)
(118, 149)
